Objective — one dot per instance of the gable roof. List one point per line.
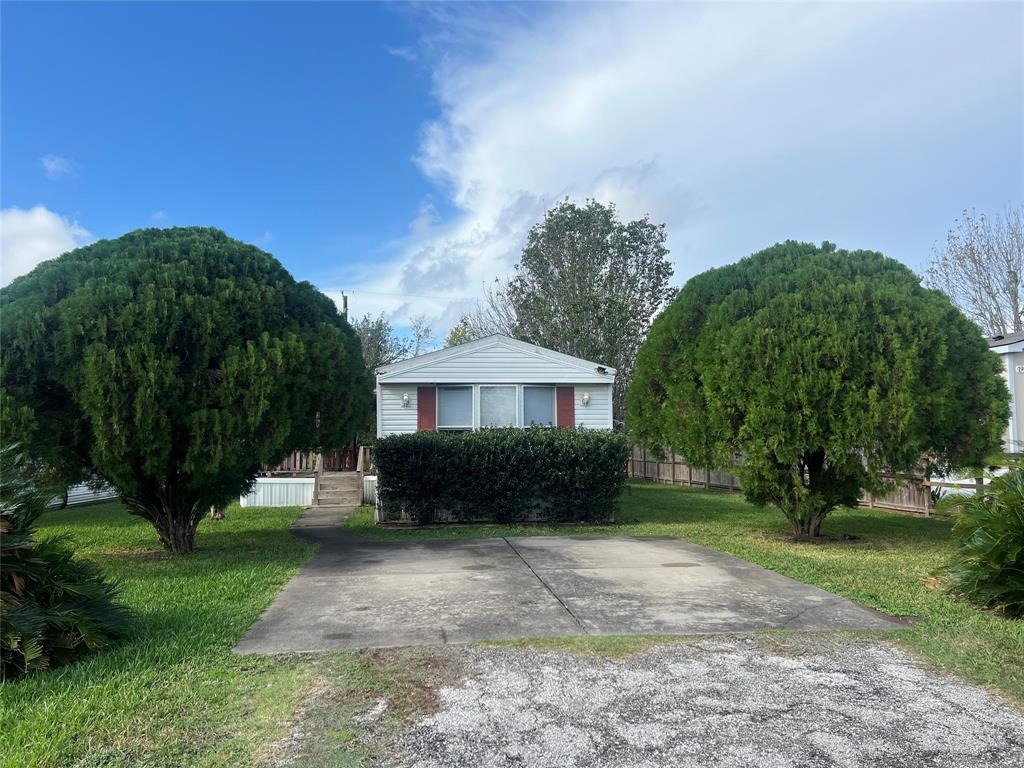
(1005, 340)
(496, 358)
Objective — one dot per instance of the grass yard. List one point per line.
(890, 566)
(173, 693)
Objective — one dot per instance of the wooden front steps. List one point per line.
(339, 489)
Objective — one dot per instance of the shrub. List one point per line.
(54, 608)
(501, 475)
(988, 568)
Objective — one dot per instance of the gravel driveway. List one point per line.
(725, 702)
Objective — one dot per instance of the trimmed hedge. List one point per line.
(500, 475)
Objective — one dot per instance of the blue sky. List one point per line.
(401, 153)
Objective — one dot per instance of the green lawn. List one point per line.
(173, 693)
(891, 566)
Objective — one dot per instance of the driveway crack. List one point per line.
(547, 586)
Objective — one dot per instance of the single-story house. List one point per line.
(496, 381)
(1010, 348)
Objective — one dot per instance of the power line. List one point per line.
(406, 295)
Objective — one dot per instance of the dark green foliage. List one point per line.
(172, 364)
(988, 568)
(587, 285)
(54, 608)
(823, 368)
(501, 475)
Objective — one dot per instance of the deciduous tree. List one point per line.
(587, 285)
(981, 268)
(380, 344)
(459, 334)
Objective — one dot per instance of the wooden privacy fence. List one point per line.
(674, 471)
(295, 463)
(909, 493)
(304, 462)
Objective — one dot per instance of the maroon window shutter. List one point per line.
(565, 407)
(426, 409)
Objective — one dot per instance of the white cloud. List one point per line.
(56, 167)
(405, 53)
(30, 237)
(158, 215)
(736, 124)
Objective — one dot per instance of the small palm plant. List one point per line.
(54, 608)
(988, 568)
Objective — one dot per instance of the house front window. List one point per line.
(498, 406)
(455, 408)
(538, 406)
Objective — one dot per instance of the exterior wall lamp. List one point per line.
(586, 399)
(405, 400)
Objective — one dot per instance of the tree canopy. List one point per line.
(171, 364)
(587, 285)
(460, 333)
(822, 368)
(379, 343)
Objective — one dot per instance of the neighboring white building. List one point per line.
(1010, 348)
(493, 382)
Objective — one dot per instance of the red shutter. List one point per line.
(565, 407)
(426, 409)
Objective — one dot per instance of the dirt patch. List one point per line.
(360, 703)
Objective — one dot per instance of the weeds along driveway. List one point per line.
(357, 593)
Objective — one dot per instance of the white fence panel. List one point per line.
(83, 494)
(369, 489)
(280, 492)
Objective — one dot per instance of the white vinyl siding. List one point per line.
(498, 362)
(395, 419)
(597, 415)
(507, 365)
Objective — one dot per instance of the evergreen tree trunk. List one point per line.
(178, 535)
(807, 528)
(174, 518)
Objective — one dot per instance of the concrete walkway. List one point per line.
(358, 593)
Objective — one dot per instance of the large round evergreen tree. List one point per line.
(822, 368)
(172, 363)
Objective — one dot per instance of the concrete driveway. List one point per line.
(357, 593)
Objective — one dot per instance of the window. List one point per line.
(498, 406)
(454, 407)
(538, 406)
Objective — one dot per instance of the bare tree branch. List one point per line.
(981, 269)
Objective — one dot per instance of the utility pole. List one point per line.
(344, 306)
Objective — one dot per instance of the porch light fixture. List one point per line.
(586, 399)
(405, 400)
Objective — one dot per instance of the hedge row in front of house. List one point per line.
(500, 475)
